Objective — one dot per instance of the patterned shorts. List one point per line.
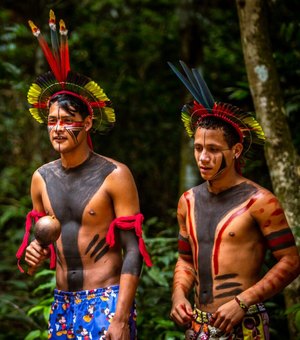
(85, 314)
(254, 326)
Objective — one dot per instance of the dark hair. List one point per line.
(70, 103)
(213, 123)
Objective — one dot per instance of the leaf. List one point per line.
(158, 276)
(36, 334)
(35, 309)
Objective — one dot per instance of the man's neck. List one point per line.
(75, 158)
(218, 185)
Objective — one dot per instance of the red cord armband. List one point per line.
(127, 223)
(33, 215)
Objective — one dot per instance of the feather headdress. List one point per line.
(62, 80)
(250, 132)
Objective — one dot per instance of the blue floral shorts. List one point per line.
(85, 314)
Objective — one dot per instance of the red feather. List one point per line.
(46, 50)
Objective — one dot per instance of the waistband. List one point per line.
(204, 317)
(61, 295)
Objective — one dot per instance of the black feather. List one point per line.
(195, 84)
(186, 82)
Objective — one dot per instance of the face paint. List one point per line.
(74, 130)
(62, 124)
(222, 167)
(209, 150)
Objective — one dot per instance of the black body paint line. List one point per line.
(226, 285)
(69, 191)
(229, 293)
(209, 210)
(133, 260)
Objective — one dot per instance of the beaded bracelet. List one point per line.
(241, 304)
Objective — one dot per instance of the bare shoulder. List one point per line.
(184, 202)
(121, 168)
(262, 195)
(121, 187)
(36, 191)
(267, 210)
(37, 180)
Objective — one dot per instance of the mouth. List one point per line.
(59, 139)
(204, 168)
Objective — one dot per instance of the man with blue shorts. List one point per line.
(100, 250)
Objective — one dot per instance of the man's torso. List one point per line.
(79, 200)
(227, 245)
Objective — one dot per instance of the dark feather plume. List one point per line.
(196, 85)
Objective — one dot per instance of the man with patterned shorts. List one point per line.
(100, 250)
(226, 225)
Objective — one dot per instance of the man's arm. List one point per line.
(280, 240)
(269, 216)
(184, 273)
(123, 191)
(35, 255)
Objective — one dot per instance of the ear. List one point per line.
(238, 149)
(88, 123)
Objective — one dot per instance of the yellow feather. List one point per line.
(34, 93)
(96, 90)
(35, 114)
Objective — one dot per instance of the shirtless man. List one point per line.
(99, 251)
(226, 224)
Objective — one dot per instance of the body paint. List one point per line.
(209, 210)
(280, 239)
(225, 225)
(69, 191)
(191, 230)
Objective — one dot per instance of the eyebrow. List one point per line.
(64, 115)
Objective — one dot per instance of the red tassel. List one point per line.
(31, 215)
(28, 224)
(127, 223)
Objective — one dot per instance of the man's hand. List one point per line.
(181, 312)
(35, 255)
(227, 316)
(118, 331)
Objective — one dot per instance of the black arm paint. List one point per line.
(133, 260)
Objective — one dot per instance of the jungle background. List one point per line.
(125, 46)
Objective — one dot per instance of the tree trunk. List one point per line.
(281, 156)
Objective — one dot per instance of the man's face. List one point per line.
(212, 153)
(66, 130)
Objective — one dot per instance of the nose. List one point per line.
(59, 125)
(204, 156)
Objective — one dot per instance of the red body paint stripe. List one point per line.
(282, 239)
(192, 232)
(218, 240)
(183, 246)
(277, 212)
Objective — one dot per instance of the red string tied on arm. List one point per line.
(33, 215)
(128, 223)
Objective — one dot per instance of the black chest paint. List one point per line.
(69, 191)
(209, 210)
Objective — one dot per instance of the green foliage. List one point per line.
(125, 45)
(154, 293)
(295, 311)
